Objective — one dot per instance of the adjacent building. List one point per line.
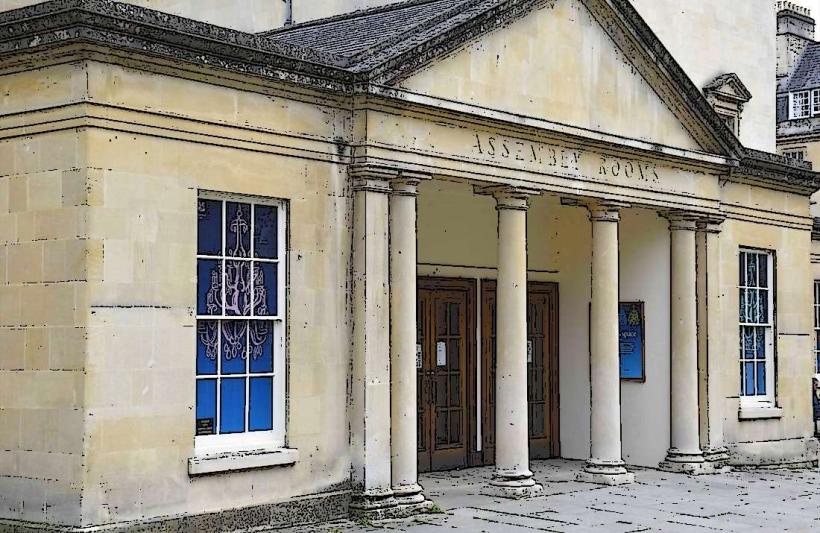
(798, 114)
(257, 268)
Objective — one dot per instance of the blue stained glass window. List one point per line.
(749, 387)
(763, 307)
(763, 270)
(207, 346)
(237, 288)
(742, 307)
(261, 346)
(260, 416)
(232, 405)
(760, 342)
(209, 287)
(761, 378)
(265, 232)
(209, 234)
(751, 271)
(238, 253)
(234, 346)
(237, 230)
(265, 289)
(206, 407)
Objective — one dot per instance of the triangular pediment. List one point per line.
(729, 87)
(558, 63)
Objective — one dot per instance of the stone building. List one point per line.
(798, 114)
(260, 274)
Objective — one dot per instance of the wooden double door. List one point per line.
(449, 389)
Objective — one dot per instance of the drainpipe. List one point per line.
(288, 12)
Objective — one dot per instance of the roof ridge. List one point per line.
(395, 6)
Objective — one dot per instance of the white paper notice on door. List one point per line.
(529, 351)
(441, 353)
(418, 356)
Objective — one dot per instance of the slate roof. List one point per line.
(807, 73)
(354, 33)
(343, 54)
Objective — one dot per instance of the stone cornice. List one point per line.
(779, 170)
(145, 32)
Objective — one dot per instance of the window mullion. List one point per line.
(218, 409)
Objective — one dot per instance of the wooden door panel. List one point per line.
(445, 326)
(542, 370)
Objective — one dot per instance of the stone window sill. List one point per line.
(246, 460)
(759, 413)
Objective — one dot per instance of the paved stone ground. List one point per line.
(768, 500)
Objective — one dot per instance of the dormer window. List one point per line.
(728, 94)
(800, 106)
(804, 104)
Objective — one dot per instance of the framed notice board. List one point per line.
(632, 344)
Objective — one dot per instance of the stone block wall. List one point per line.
(44, 277)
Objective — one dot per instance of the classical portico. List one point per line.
(386, 353)
(459, 360)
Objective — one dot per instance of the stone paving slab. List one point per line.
(769, 500)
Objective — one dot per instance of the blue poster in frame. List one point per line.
(632, 341)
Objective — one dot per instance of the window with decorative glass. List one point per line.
(240, 326)
(801, 105)
(817, 326)
(756, 327)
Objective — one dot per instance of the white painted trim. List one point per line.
(768, 400)
(478, 330)
(238, 443)
(759, 413)
(232, 461)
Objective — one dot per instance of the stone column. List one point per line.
(685, 454)
(370, 395)
(605, 465)
(710, 299)
(403, 316)
(512, 477)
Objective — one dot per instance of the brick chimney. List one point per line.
(795, 29)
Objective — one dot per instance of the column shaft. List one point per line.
(403, 343)
(513, 477)
(710, 312)
(685, 454)
(370, 395)
(605, 465)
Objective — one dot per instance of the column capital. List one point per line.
(599, 210)
(509, 197)
(374, 178)
(681, 220)
(407, 182)
(711, 224)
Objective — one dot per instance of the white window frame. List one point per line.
(797, 154)
(257, 440)
(816, 324)
(769, 399)
(805, 110)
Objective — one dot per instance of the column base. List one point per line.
(408, 494)
(513, 486)
(610, 473)
(718, 458)
(690, 463)
(375, 504)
